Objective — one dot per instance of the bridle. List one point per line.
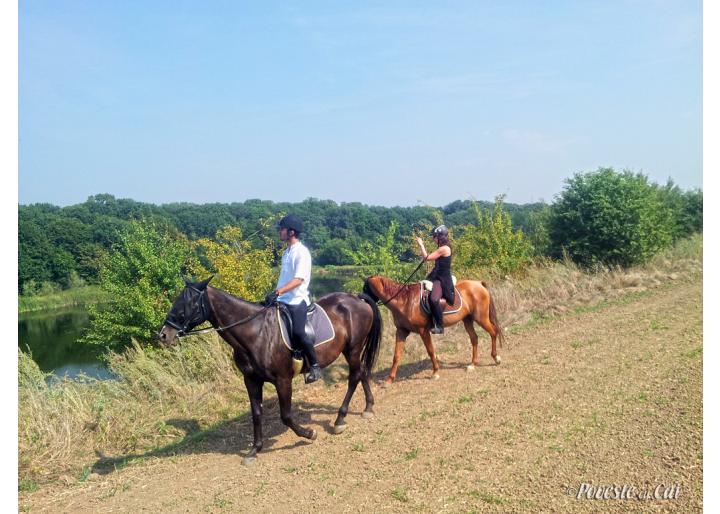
(183, 330)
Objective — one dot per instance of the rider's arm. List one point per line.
(289, 285)
(443, 251)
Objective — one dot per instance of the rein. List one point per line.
(219, 329)
(404, 284)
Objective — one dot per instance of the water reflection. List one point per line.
(51, 337)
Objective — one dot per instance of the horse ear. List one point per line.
(202, 285)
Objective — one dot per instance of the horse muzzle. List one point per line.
(168, 335)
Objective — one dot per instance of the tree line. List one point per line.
(61, 247)
(600, 217)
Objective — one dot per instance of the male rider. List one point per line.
(292, 287)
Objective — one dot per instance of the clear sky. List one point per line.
(385, 103)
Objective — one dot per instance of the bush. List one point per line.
(610, 218)
(240, 269)
(490, 245)
(141, 277)
(381, 257)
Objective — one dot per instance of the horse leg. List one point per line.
(431, 353)
(400, 337)
(255, 391)
(284, 392)
(470, 329)
(355, 373)
(369, 399)
(484, 322)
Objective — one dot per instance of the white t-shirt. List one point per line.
(296, 263)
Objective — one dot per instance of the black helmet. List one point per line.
(440, 230)
(291, 222)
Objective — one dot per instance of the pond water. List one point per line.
(51, 338)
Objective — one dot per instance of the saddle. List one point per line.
(318, 326)
(426, 288)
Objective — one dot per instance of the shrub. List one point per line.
(490, 245)
(240, 269)
(141, 276)
(610, 218)
(380, 257)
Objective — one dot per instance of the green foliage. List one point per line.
(611, 218)
(490, 245)
(141, 277)
(55, 243)
(686, 209)
(240, 269)
(379, 257)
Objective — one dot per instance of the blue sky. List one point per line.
(387, 103)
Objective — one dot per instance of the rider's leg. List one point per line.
(299, 318)
(435, 308)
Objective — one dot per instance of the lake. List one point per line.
(51, 337)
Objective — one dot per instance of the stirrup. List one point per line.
(437, 329)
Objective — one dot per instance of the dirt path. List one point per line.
(607, 396)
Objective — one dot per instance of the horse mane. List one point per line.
(397, 291)
(235, 299)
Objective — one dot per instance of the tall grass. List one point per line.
(550, 288)
(63, 426)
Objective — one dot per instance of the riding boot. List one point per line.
(437, 318)
(315, 373)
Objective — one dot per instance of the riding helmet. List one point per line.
(291, 222)
(440, 230)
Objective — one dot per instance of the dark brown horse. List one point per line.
(404, 304)
(259, 352)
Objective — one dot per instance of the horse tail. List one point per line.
(372, 342)
(492, 314)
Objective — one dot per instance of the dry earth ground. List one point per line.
(606, 395)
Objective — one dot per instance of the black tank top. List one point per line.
(442, 266)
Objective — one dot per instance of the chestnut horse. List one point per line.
(403, 300)
(259, 352)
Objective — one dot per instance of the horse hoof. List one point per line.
(387, 384)
(313, 434)
(249, 461)
(368, 414)
(498, 360)
(471, 368)
(436, 376)
(339, 429)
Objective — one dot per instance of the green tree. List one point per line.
(611, 218)
(379, 257)
(141, 275)
(490, 245)
(240, 269)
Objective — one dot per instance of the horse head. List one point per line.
(190, 309)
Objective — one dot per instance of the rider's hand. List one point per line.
(271, 298)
